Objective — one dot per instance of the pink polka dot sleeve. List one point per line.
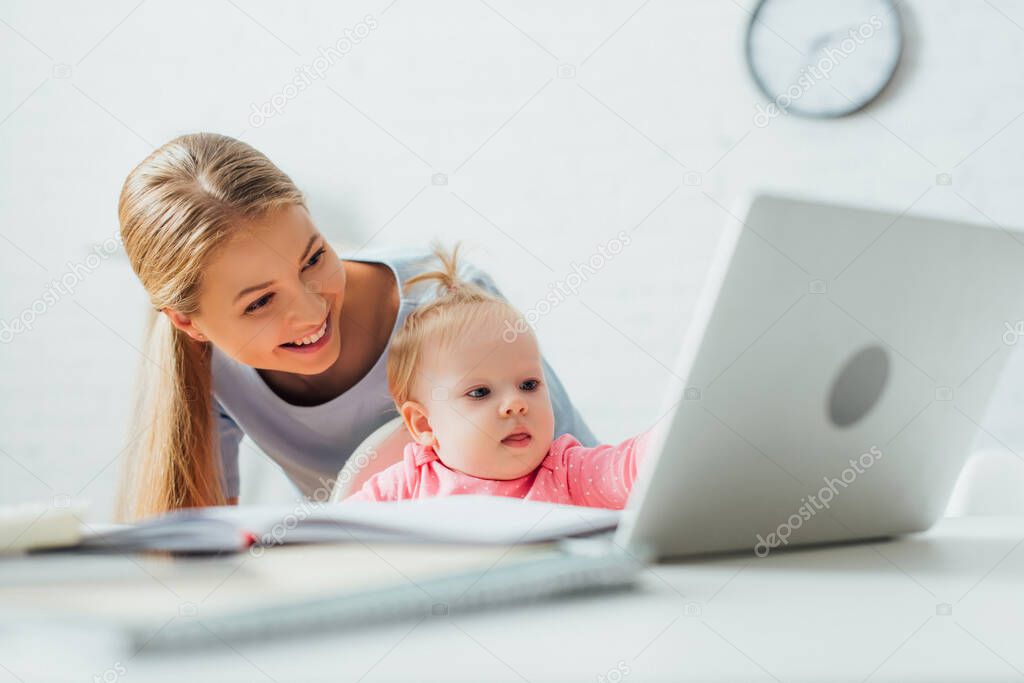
(601, 476)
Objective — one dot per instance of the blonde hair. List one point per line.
(459, 306)
(183, 202)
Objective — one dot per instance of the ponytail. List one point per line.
(173, 457)
(459, 305)
(449, 283)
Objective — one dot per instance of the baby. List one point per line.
(474, 399)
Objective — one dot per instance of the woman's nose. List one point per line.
(310, 309)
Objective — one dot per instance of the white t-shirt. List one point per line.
(311, 443)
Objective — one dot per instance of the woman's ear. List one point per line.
(184, 323)
(418, 423)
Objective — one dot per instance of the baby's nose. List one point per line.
(514, 407)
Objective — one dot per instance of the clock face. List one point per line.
(823, 57)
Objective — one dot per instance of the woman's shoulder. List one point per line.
(408, 261)
(405, 260)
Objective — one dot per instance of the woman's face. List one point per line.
(268, 289)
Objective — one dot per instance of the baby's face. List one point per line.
(487, 403)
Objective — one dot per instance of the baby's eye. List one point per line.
(479, 392)
(529, 385)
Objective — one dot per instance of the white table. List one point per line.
(944, 605)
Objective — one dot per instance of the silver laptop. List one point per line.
(832, 379)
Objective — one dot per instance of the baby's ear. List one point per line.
(414, 415)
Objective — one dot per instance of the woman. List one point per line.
(258, 327)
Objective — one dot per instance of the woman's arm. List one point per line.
(567, 419)
(229, 435)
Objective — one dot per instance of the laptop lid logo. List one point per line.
(858, 386)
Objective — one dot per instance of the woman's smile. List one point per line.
(315, 342)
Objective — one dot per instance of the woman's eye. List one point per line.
(479, 392)
(315, 258)
(259, 303)
(265, 299)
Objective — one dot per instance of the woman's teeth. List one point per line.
(313, 338)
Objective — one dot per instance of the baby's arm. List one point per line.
(603, 476)
(388, 484)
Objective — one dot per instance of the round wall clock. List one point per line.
(823, 58)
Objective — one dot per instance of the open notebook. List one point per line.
(454, 519)
(385, 561)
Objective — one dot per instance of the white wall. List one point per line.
(541, 170)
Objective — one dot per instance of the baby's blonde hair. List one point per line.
(459, 306)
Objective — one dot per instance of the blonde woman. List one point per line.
(257, 328)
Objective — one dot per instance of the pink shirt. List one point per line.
(570, 473)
